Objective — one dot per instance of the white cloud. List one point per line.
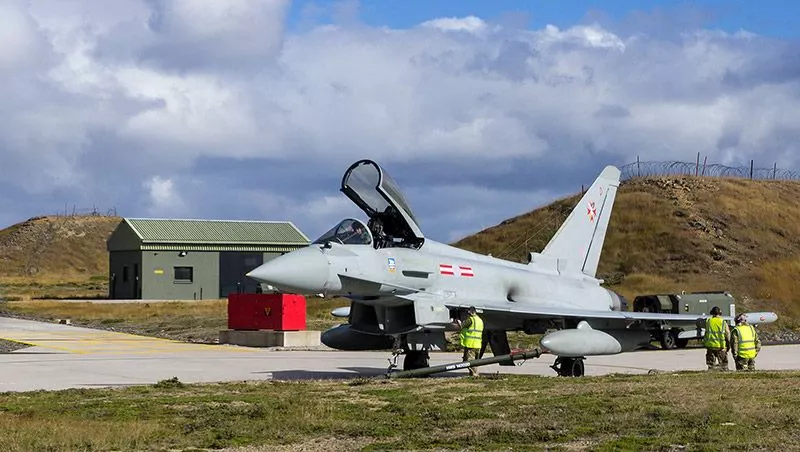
(164, 199)
(19, 39)
(592, 36)
(250, 119)
(470, 24)
(210, 34)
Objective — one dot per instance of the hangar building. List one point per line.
(159, 259)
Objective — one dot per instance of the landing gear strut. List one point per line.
(416, 359)
(568, 367)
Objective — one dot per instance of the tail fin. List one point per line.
(580, 239)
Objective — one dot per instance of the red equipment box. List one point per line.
(280, 312)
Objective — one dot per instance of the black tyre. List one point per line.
(577, 368)
(668, 339)
(416, 360)
(569, 367)
(681, 343)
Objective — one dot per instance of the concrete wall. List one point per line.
(124, 278)
(158, 274)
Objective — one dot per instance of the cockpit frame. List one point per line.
(347, 232)
(391, 221)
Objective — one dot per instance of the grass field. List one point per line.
(684, 411)
(19, 288)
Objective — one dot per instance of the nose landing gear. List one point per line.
(416, 359)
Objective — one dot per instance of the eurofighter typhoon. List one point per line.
(406, 289)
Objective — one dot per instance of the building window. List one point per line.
(184, 274)
(124, 274)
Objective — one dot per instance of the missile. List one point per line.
(760, 317)
(586, 341)
(344, 311)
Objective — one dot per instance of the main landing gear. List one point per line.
(416, 359)
(569, 367)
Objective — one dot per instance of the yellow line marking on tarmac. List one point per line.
(105, 342)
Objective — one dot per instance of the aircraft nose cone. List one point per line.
(303, 271)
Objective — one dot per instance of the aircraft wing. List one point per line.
(548, 312)
(558, 312)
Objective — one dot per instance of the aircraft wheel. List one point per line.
(569, 367)
(668, 339)
(415, 359)
(576, 368)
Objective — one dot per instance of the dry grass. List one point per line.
(62, 246)
(690, 410)
(777, 281)
(46, 286)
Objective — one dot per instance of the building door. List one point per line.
(232, 269)
(112, 286)
(136, 293)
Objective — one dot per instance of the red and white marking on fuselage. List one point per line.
(450, 270)
(446, 269)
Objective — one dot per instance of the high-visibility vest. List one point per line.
(747, 341)
(715, 333)
(472, 337)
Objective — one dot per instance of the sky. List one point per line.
(480, 110)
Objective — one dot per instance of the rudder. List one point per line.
(580, 238)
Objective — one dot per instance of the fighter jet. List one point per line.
(406, 289)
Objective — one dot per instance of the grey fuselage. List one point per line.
(458, 278)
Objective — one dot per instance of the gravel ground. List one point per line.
(10, 346)
(779, 337)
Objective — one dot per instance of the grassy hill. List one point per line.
(669, 234)
(56, 256)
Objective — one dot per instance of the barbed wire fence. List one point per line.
(86, 212)
(677, 168)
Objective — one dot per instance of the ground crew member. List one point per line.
(471, 337)
(717, 340)
(745, 344)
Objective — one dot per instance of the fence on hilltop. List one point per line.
(86, 212)
(676, 168)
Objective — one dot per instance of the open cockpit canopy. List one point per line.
(391, 220)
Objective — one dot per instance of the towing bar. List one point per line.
(510, 358)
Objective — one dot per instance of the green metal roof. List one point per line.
(216, 232)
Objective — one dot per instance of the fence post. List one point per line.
(638, 169)
(774, 169)
(697, 165)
